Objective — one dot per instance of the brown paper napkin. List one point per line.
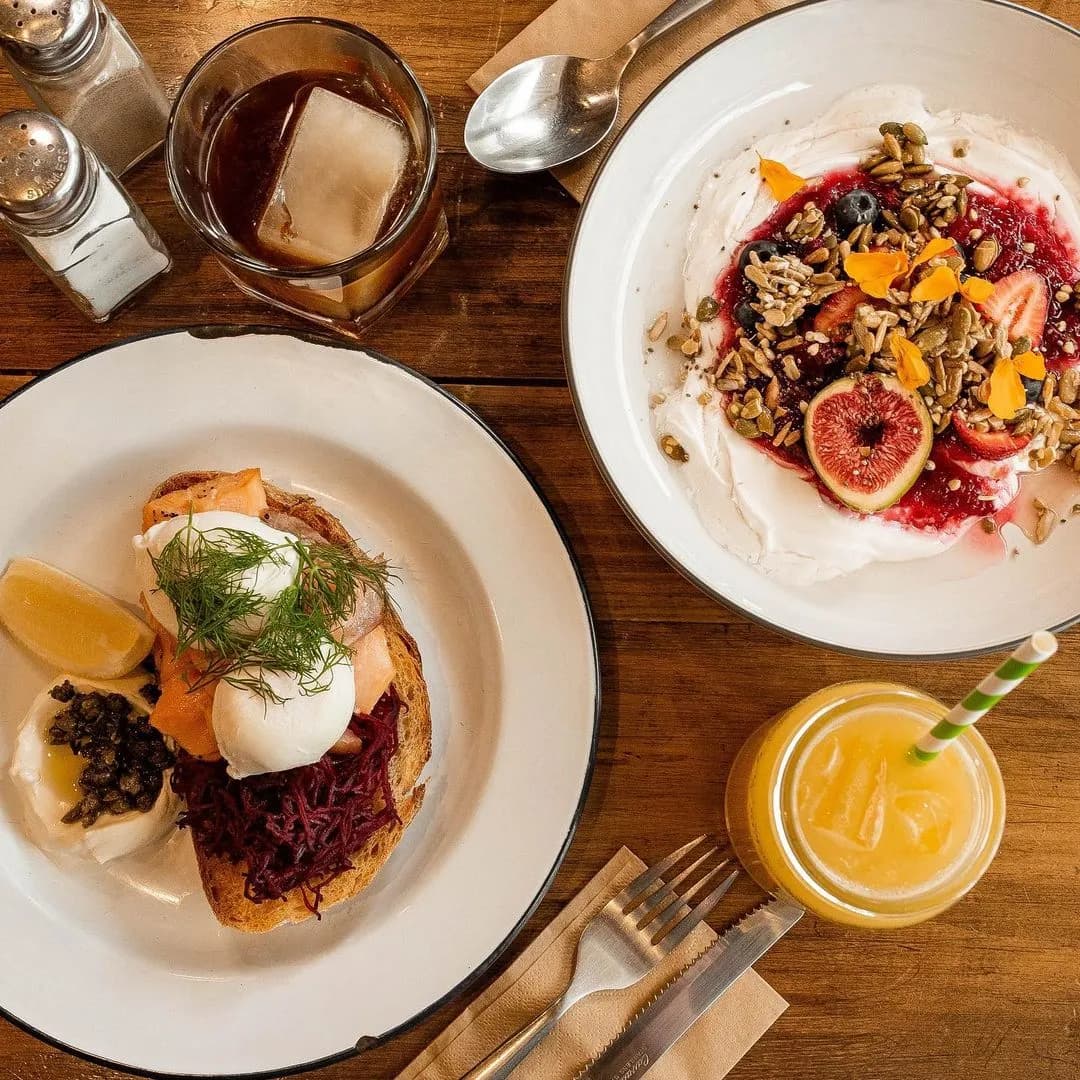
(598, 27)
(707, 1052)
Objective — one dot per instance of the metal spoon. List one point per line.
(550, 110)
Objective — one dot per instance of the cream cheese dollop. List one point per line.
(750, 503)
(45, 800)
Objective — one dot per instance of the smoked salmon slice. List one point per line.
(182, 713)
(241, 492)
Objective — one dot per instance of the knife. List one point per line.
(687, 997)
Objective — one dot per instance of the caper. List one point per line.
(124, 756)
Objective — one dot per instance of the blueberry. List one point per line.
(746, 316)
(857, 207)
(765, 249)
(1032, 388)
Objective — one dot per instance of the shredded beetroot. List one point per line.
(297, 829)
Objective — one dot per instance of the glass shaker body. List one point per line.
(72, 218)
(106, 93)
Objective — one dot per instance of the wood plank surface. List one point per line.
(990, 990)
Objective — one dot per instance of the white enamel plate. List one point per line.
(488, 589)
(982, 56)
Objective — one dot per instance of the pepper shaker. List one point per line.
(76, 61)
(72, 217)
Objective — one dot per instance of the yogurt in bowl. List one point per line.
(881, 265)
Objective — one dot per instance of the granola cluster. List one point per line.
(894, 295)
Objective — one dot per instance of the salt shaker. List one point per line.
(76, 61)
(72, 217)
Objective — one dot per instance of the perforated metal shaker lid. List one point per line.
(42, 167)
(48, 35)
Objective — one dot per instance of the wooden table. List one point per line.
(991, 990)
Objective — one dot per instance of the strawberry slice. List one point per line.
(1020, 302)
(835, 316)
(990, 445)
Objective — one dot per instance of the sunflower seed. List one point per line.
(1069, 385)
(658, 327)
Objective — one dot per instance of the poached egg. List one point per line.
(269, 578)
(259, 735)
(256, 734)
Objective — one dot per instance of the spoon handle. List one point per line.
(668, 19)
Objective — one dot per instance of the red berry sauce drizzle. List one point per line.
(1017, 223)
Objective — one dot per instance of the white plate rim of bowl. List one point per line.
(597, 260)
(261, 355)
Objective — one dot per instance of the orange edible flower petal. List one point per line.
(911, 368)
(1030, 364)
(781, 181)
(875, 271)
(976, 289)
(940, 245)
(1007, 395)
(939, 284)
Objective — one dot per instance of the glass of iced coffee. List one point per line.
(303, 151)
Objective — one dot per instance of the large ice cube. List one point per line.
(340, 170)
(854, 800)
(927, 816)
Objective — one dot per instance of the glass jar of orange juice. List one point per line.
(826, 804)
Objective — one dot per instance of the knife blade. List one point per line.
(687, 997)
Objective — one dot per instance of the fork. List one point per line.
(624, 941)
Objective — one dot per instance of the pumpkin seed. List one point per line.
(747, 429)
(887, 171)
(915, 134)
(932, 338)
(674, 449)
(707, 310)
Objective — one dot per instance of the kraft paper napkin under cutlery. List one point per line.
(594, 28)
(708, 1051)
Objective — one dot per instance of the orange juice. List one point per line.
(825, 804)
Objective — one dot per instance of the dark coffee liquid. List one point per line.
(250, 141)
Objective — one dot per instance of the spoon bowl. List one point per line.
(553, 109)
(544, 112)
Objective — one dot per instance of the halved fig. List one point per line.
(868, 439)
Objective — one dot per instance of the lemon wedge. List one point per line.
(68, 623)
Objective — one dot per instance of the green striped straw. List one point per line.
(1035, 651)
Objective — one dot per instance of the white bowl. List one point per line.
(984, 56)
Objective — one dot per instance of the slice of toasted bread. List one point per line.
(223, 882)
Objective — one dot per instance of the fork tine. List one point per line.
(637, 888)
(660, 921)
(677, 933)
(666, 892)
(680, 904)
